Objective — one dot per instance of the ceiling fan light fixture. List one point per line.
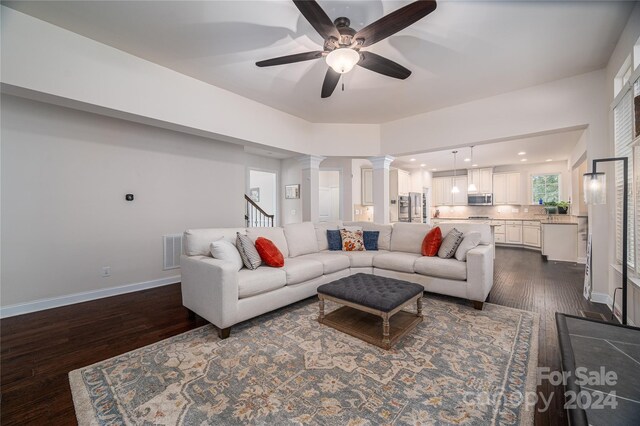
(342, 60)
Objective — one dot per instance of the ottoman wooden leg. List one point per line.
(321, 305)
(385, 331)
(419, 303)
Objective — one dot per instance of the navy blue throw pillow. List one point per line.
(371, 240)
(334, 239)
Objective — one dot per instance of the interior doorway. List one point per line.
(330, 207)
(263, 190)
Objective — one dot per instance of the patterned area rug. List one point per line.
(459, 366)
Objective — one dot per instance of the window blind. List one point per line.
(623, 139)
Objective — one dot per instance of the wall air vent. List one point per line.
(172, 250)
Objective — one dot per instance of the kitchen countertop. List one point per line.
(565, 219)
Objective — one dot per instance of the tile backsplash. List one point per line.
(494, 212)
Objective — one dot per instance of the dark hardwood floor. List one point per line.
(38, 350)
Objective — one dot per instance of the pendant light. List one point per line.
(472, 185)
(454, 188)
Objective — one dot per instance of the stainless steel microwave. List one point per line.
(480, 199)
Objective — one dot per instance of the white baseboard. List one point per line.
(55, 302)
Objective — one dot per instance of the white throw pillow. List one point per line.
(470, 240)
(224, 250)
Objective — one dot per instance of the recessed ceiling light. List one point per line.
(413, 159)
(422, 165)
(434, 170)
(524, 159)
(467, 159)
(521, 153)
(474, 165)
(548, 159)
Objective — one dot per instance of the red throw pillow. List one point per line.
(269, 253)
(431, 242)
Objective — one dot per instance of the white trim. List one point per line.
(70, 299)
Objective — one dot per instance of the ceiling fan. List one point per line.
(343, 44)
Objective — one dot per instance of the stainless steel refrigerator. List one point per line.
(415, 207)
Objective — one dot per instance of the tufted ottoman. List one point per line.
(370, 300)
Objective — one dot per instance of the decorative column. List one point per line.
(381, 188)
(310, 187)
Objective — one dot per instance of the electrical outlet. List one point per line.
(515, 210)
(293, 212)
(526, 210)
(106, 271)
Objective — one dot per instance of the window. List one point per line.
(546, 188)
(623, 142)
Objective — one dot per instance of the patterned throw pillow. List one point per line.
(248, 253)
(450, 244)
(352, 240)
(334, 240)
(269, 253)
(432, 241)
(371, 240)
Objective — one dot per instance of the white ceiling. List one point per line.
(538, 149)
(462, 51)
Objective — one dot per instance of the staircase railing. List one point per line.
(254, 216)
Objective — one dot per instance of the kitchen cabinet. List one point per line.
(442, 195)
(531, 233)
(404, 182)
(482, 178)
(460, 198)
(513, 232)
(560, 241)
(367, 187)
(506, 188)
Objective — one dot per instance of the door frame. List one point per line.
(247, 184)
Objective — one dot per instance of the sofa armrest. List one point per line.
(210, 289)
(479, 272)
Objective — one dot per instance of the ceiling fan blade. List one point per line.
(382, 65)
(318, 19)
(395, 21)
(289, 59)
(330, 82)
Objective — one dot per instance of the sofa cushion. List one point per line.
(269, 253)
(197, 242)
(248, 252)
(224, 250)
(301, 238)
(442, 268)
(299, 269)
(371, 240)
(331, 261)
(450, 244)
(408, 237)
(260, 280)
(470, 240)
(334, 239)
(431, 242)
(276, 235)
(464, 227)
(396, 261)
(321, 233)
(384, 239)
(362, 259)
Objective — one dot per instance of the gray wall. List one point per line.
(64, 177)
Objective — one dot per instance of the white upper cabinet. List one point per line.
(506, 188)
(486, 181)
(442, 195)
(404, 182)
(482, 179)
(367, 187)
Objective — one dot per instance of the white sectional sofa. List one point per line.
(218, 292)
